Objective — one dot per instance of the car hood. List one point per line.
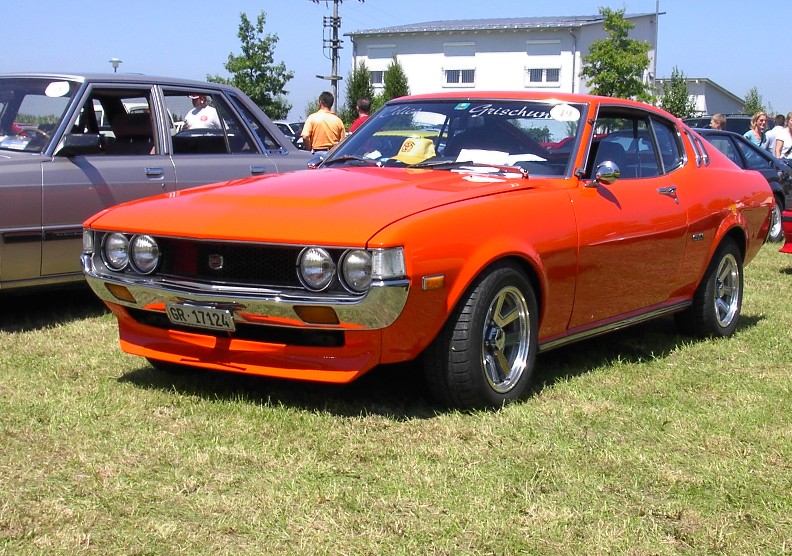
(335, 206)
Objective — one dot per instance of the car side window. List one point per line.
(627, 141)
(204, 123)
(668, 145)
(725, 145)
(267, 140)
(121, 117)
(753, 160)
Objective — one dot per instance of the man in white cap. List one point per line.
(202, 115)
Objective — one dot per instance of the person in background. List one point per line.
(202, 116)
(771, 134)
(363, 107)
(323, 129)
(783, 140)
(718, 121)
(756, 134)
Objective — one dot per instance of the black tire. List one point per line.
(776, 232)
(717, 303)
(486, 353)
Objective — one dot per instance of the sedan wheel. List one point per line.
(485, 355)
(717, 303)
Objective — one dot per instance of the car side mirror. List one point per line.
(81, 144)
(606, 173)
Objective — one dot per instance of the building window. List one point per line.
(460, 77)
(542, 77)
(377, 78)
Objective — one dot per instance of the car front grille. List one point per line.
(256, 265)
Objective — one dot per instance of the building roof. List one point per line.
(707, 83)
(502, 24)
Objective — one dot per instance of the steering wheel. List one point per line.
(34, 131)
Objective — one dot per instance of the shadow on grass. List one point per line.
(45, 309)
(398, 391)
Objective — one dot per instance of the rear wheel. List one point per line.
(718, 300)
(485, 354)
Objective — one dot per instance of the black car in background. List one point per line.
(745, 154)
(738, 123)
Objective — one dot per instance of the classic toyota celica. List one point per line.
(465, 231)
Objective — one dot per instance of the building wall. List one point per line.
(502, 59)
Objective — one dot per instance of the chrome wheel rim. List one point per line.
(775, 221)
(506, 340)
(727, 290)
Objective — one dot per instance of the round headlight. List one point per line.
(356, 270)
(316, 268)
(116, 251)
(144, 253)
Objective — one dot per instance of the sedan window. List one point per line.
(753, 160)
(204, 123)
(31, 110)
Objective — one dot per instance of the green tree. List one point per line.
(676, 98)
(615, 66)
(255, 71)
(394, 84)
(358, 86)
(753, 101)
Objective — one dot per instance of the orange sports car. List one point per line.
(468, 231)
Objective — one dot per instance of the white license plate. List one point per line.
(200, 317)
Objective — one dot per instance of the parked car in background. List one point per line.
(292, 130)
(737, 123)
(71, 145)
(441, 231)
(750, 157)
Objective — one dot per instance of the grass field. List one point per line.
(641, 442)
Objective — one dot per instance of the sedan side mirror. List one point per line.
(81, 144)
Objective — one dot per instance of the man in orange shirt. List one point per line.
(323, 129)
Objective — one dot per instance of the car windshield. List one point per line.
(31, 109)
(537, 136)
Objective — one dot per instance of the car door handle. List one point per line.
(256, 170)
(154, 172)
(670, 191)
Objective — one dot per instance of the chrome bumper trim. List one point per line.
(377, 309)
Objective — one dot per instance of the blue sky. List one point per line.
(737, 44)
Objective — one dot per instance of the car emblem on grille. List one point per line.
(216, 262)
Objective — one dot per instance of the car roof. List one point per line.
(117, 78)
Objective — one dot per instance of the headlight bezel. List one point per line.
(116, 258)
(362, 266)
(138, 261)
(315, 258)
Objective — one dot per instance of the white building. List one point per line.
(523, 53)
(708, 96)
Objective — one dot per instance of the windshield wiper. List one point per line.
(453, 164)
(351, 157)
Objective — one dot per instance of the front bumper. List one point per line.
(376, 309)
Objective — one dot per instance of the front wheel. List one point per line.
(485, 355)
(717, 302)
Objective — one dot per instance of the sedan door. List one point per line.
(129, 166)
(212, 143)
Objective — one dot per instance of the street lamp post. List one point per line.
(115, 62)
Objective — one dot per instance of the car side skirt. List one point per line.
(617, 323)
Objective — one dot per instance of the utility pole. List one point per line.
(333, 44)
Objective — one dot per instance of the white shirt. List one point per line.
(205, 117)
